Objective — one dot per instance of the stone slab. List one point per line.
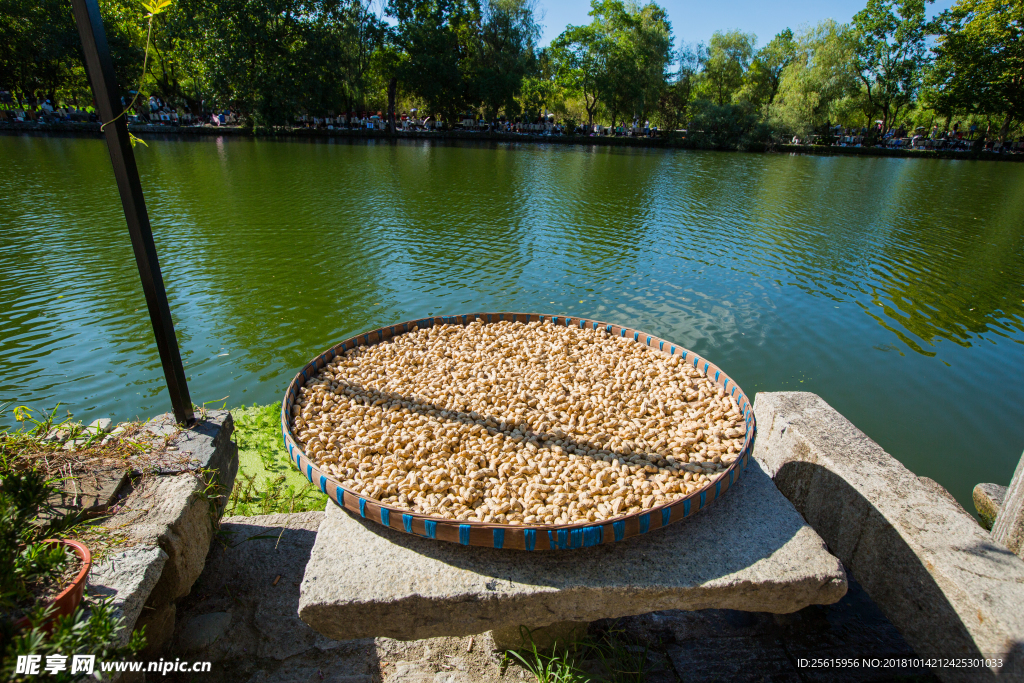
(128, 577)
(750, 550)
(988, 501)
(934, 572)
(1008, 528)
(173, 513)
(206, 445)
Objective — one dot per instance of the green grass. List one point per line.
(613, 656)
(267, 481)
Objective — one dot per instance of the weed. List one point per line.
(618, 658)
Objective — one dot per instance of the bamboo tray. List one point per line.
(520, 537)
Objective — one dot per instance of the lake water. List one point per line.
(894, 288)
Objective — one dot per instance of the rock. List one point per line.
(129, 577)
(257, 550)
(543, 637)
(988, 499)
(206, 445)
(161, 425)
(750, 550)
(58, 435)
(202, 631)
(100, 426)
(1008, 529)
(411, 672)
(934, 572)
(158, 623)
(173, 512)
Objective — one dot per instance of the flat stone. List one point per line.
(205, 446)
(988, 500)
(129, 577)
(203, 631)
(92, 490)
(161, 425)
(750, 550)
(933, 571)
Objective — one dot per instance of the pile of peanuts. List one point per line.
(514, 423)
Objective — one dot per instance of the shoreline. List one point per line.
(194, 132)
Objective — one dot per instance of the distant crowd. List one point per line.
(955, 139)
(158, 112)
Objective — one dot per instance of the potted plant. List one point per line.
(42, 572)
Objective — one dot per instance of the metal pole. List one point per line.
(100, 68)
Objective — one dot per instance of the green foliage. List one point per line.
(890, 54)
(728, 58)
(979, 65)
(762, 80)
(449, 58)
(92, 629)
(616, 658)
(506, 58)
(618, 61)
(724, 126)
(820, 76)
(580, 55)
(267, 482)
(27, 564)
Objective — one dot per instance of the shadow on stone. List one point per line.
(888, 568)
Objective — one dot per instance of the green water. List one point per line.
(894, 288)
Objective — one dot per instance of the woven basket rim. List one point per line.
(311, 368)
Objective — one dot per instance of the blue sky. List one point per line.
(695, 20)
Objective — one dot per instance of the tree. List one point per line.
(618, 61)
(821, 74)
(761, 82)
(581, 56)
(891, 54)
(677, 95)
(728, 59)
(508, 34)
(979, 64)
(436, 37)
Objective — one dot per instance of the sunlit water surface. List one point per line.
(894, 288)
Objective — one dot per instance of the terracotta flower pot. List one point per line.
(68, 599)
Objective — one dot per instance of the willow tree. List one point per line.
(821, 74)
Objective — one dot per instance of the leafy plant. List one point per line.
(154, 8)
(29, 566)
(92, 629)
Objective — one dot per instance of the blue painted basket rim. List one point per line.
(704, 366)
